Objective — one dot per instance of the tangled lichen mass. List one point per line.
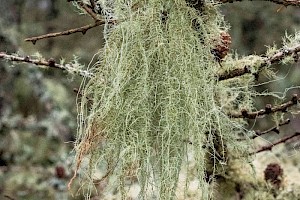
(155, 98)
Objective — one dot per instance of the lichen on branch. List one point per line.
(72, 68)
(154, 90)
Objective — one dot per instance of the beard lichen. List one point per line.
(154, 98)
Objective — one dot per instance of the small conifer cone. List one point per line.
(274, 173)
(222, 47)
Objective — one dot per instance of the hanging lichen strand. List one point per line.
(153, 99)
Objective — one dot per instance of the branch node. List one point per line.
(295, 99)
(51, 62)
(284, 110)
(27, 59)
(256, 76)
(244, 113)
(268, 109)
(276, 130)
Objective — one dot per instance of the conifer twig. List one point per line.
(280, 2)
(276, 58)
(282, 140)
(93, 3)
(9, 197)
(48, 63)
(275, 129)
(268, 109)
(82, 29)
(89, 11)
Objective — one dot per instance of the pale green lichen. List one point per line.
(154, 92)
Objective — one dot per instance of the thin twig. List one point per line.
(268, 110)
(9, 197)
(234, 73)
(89, 11)
(282, 140)
(82, 29)
(93, 3)
(48, 63)
(276, 58)
(275, 129)
(281, 2)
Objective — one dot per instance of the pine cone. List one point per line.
(222, 47)
(274, 173)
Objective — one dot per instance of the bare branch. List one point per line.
(295, 3)
(276, 58)
(282, 140)
(234, 73)
(82, 29)
(48, 63)
(273, 129)
(268, 109)
(89, 10)
(9, 197)
(93, 3)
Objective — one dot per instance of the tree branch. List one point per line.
(282, 140)
(89, 10)
(275, 129)
(48, 63)
(280, 2)
(93, 3)
(82, 29)
(9, 197)
(268, 109)
(276, 58)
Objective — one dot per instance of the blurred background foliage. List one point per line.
(254, 28)
(38, 118)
